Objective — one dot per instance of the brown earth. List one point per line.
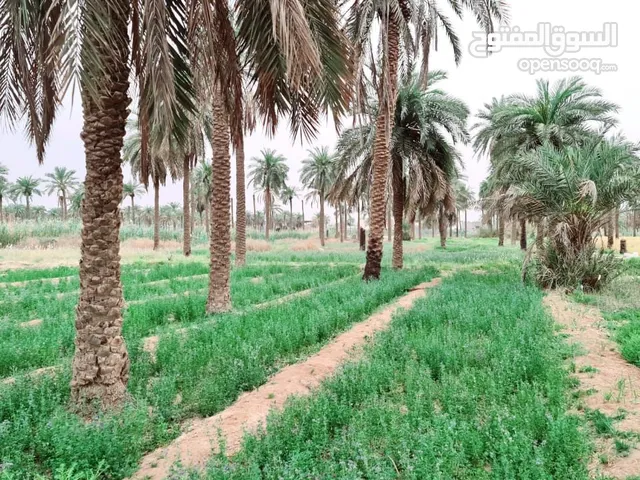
(614, 386)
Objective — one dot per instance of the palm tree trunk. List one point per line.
(398, 211)
(219, 299)
(465, 223)
(64, 207)
(321, 222)
(291, 213)
(358, 214)
(523, 234)
(28, 212)
(156, 213)
(540, 234)
(267, 212)
(514, 232)
(186, 210)
(381, 154)
(611, 231)
(457, 223)
(500, 228)
(450, 228)
(101, 363)
(302, 203)
(231, 213)
(335, 211)
(442, 226)
(617, 222)
(241, 207)
(388, 222)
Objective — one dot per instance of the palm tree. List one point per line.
(76, 200)
(317, 175)
(4, 187)
(268, 173)
(26, 187)
(286, 196)
(160, 164)
(132, 189)
(464, 200)
(428, 123)
(395, 18)
(61, 182)
(566, 113)
(574, 188)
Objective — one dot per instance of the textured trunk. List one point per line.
(186, 210)
(358, 214)
(133, 210)
(442, 226)
(64, 207)
(523, 234)
(381, 154)
(514, 232)
(500, 229)
(335, 211)
(540, 234)
(398, 212)
(610, 231)
(450, 227)
(156, 213)
(219, 299)
(241, 208)
(28, 212)
(267, 212)
(388, 222)
(321, 222)
(302, 204)
(617, 223)
(231, 213)
(101, 363)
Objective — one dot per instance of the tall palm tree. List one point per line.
(428, 123)
(464, 200)
(395, 18)
(268, 173)
(286, 196)
(160, 165)
(26, 187)
(132, 189)
(76, 201)
(4, 187)
(61, 182)
(317, 175)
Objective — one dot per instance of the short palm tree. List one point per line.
(62, 182)
(268, 173)
(132, 189)
(317, 175)
(76, 200)
(574, 188)
(26, 187)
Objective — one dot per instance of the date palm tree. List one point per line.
(317, 175)
(286, 196)
(268, 173)
(61, 182)
(397, 19)
(4, 187)
(566, 113)
(132, 189)
(26, 187)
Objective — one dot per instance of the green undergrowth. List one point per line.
(198, 373)
(25, 348)
(468, 384)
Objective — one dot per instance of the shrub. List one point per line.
(590, 269)
(7, 237)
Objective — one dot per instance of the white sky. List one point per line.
(475, 81)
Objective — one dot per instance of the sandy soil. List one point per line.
(194, 447)
(616, 383)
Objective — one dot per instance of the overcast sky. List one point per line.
(475, 81)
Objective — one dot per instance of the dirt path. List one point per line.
(613, 384)
(195, 447)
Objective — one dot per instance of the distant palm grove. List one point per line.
(205, 75)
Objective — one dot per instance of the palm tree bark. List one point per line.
(514, 232)
(219, 299)
(133, 211)
(398, 212)
(523, 234)
(465, 223)
(156, 213)
(335, 211)
(500, 228)
(186, 213)
(291, 212)
(388, 222)
(381, 154)
(101, 363)
(611, 231)
(302, 203)
(540, 234)
(442, 226)
(267, 212)
(617, 222)
(241, 208)
(28, 212)
(321, 222)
